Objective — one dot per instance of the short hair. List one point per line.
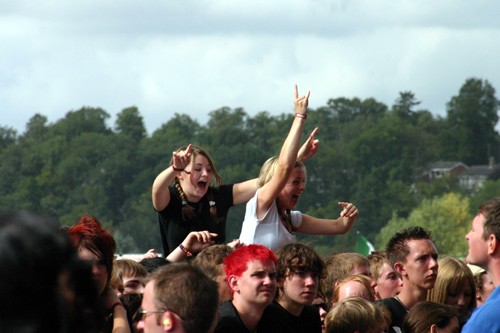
(491, 212)
(211, 259)
(237, 262)
(339, 266)
(186, 291)
(377, 260)
(397, 248)
(423, 315)
(353, 314)
(362, 279)
(452, 274)
(129, 267)
(89, 234)
(269, 168)
(151, 264)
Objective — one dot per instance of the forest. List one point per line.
(371, 154)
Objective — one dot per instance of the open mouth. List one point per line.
(202, 184)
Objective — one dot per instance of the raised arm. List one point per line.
(160, 194)
(194, 242)
(287, 156)
(309, 148)
(244, 191)
(316, 226)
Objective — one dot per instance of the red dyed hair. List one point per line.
(237, 262)
(88, 233)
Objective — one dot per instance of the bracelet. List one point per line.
(186, 251)
(115, 305)
(301, 115)
(177, 169)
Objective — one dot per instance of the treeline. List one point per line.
(370, 154)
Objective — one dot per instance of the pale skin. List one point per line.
(419, 272)
(288, 182)
(182, 160)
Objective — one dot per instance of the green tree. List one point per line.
(472, 117)
(447, 217)
(130, 123)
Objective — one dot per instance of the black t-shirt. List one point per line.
(272, 321)
(173, 229)
(398, 313)
(309, 320)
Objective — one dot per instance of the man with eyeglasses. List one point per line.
(178, 298)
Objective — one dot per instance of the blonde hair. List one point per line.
(340, 265)
(269, 168)
(362, 279)
(451, 275)
(353, 314)
(188, 212)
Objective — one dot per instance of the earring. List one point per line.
(166, 322)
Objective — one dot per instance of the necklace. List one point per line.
(401, 302)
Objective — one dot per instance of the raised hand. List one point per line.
(181, 159)
(301, 103)
(349, 211)
(309, 148)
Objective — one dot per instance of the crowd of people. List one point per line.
(68, 279)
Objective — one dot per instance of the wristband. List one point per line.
(301, 115)
(115, 305)
(177, 169)
(185, 250)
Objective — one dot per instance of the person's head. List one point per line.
(151, 264)
(251, 274)
(413, 255)
(323, 306)
(178, 298)
(196, 178)
(132, 274)
(388, 282)
(44, 287)
(355, 314)
(353, 285)
(430, 317)
(299, 272)
(295, 184)
(211, 262)
(95, 245)
(339, 266)
(484, 284)
(485, 229)
(132, 303)
(454, 286)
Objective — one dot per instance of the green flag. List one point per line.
(364, 246)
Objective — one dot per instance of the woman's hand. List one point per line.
(198, 240)
(309, 148)
(301, 103)
(181, 159)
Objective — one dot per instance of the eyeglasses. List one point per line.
(142, 314)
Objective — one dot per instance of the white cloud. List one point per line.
(196, 56)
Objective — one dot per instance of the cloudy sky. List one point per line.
(192, 57)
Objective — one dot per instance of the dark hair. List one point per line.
(397, 248)
(423, 315)
(151, 264)
(491, 212)
(185, 290)
(43, 284)
(296, 257)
